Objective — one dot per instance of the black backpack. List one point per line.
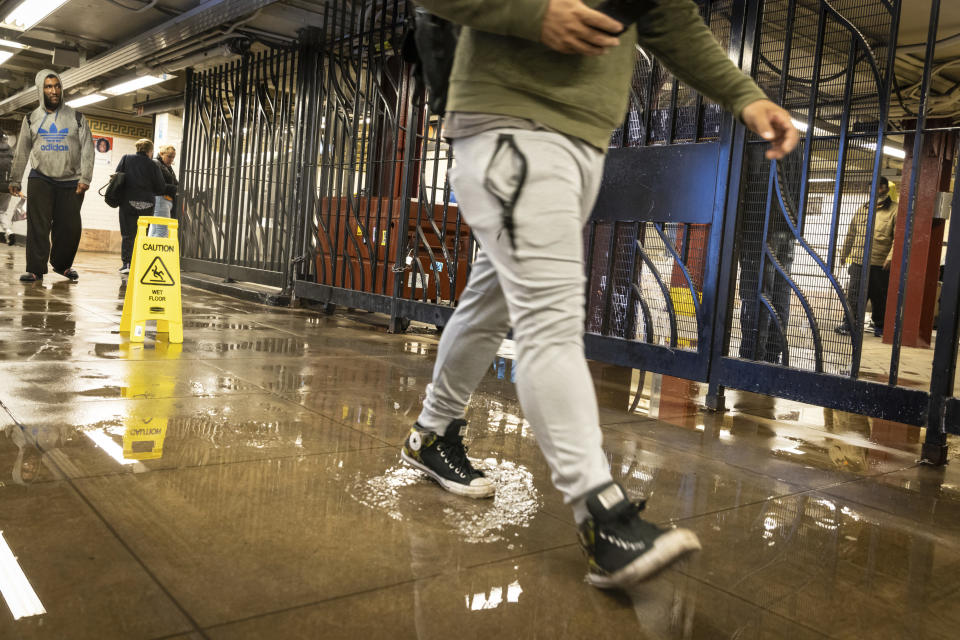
(6, 162)
(429, 45)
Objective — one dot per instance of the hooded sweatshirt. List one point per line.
(59, 150)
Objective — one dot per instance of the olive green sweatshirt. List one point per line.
(501, 67)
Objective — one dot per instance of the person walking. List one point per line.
(536, 90)
(165, 204)
(6, 162)
(58, 143)
(881, 253)
(142, 183)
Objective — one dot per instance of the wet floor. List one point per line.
(246, 484)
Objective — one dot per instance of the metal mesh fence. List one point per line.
(239, 142)
(827, 64)
(382, 217)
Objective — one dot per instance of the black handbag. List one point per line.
(112, 192)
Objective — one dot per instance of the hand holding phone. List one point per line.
(620, 10)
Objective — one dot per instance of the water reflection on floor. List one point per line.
(246, 484)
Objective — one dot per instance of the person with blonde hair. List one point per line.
(143, 182)
(165, 203)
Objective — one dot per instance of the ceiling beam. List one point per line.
(207, 16)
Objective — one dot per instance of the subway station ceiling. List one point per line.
(96, 44)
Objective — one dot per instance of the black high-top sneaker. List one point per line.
(621, 547)
(444, 458)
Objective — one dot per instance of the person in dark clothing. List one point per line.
(165, 157)
(143, 182)
(165, 206)
(58, 143)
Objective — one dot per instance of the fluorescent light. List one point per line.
(5, 55)
(11, 43)
(30, 12)
(137, 83)
(803, 126)
(893, 151)
(85, 100)
(111, 448)
(888, 150)
(810, 180)
(16, 589)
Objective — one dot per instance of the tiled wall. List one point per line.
(101, 224)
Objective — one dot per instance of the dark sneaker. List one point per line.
(125, 268)
(444, 458)
(30, 277)
(11, 239)
(69, 273)
(621, 547)
(878, 331)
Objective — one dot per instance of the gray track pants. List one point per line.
(533, 280)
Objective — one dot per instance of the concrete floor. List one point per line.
(246, 484)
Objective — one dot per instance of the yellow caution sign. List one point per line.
(153, 286)
(145, 441)
(153, 389)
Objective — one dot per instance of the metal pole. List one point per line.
(914, 184)
(944, 370)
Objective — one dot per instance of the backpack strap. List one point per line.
(76, 113)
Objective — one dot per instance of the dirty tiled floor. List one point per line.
(246, 484)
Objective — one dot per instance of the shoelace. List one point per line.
(457, 454)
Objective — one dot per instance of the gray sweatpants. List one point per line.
(530, 277)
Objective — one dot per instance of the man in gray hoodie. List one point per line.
(57, 141)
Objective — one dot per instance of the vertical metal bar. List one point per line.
(811, 127)
(186, 157)
(914, 184)
(884, 93)
(943, 374)
(841, 154)
(698, 108)
(232, 212)
(406, 180)
(186, 152)
(722, 241)
(782, 93)
(648, 106)
(304, 204)
(608, 290)
(672, 119)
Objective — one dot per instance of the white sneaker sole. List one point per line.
(453, 487)
(668, 548)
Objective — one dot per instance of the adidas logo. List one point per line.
(53, 137)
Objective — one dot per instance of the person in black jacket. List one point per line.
(166, 203)
(143, 182)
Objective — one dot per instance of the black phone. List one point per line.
(623, 11)
(627, 12)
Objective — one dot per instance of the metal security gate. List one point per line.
(658, 222)
(238, 158)
(831, 64)
(322, 171)
(381, 231)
